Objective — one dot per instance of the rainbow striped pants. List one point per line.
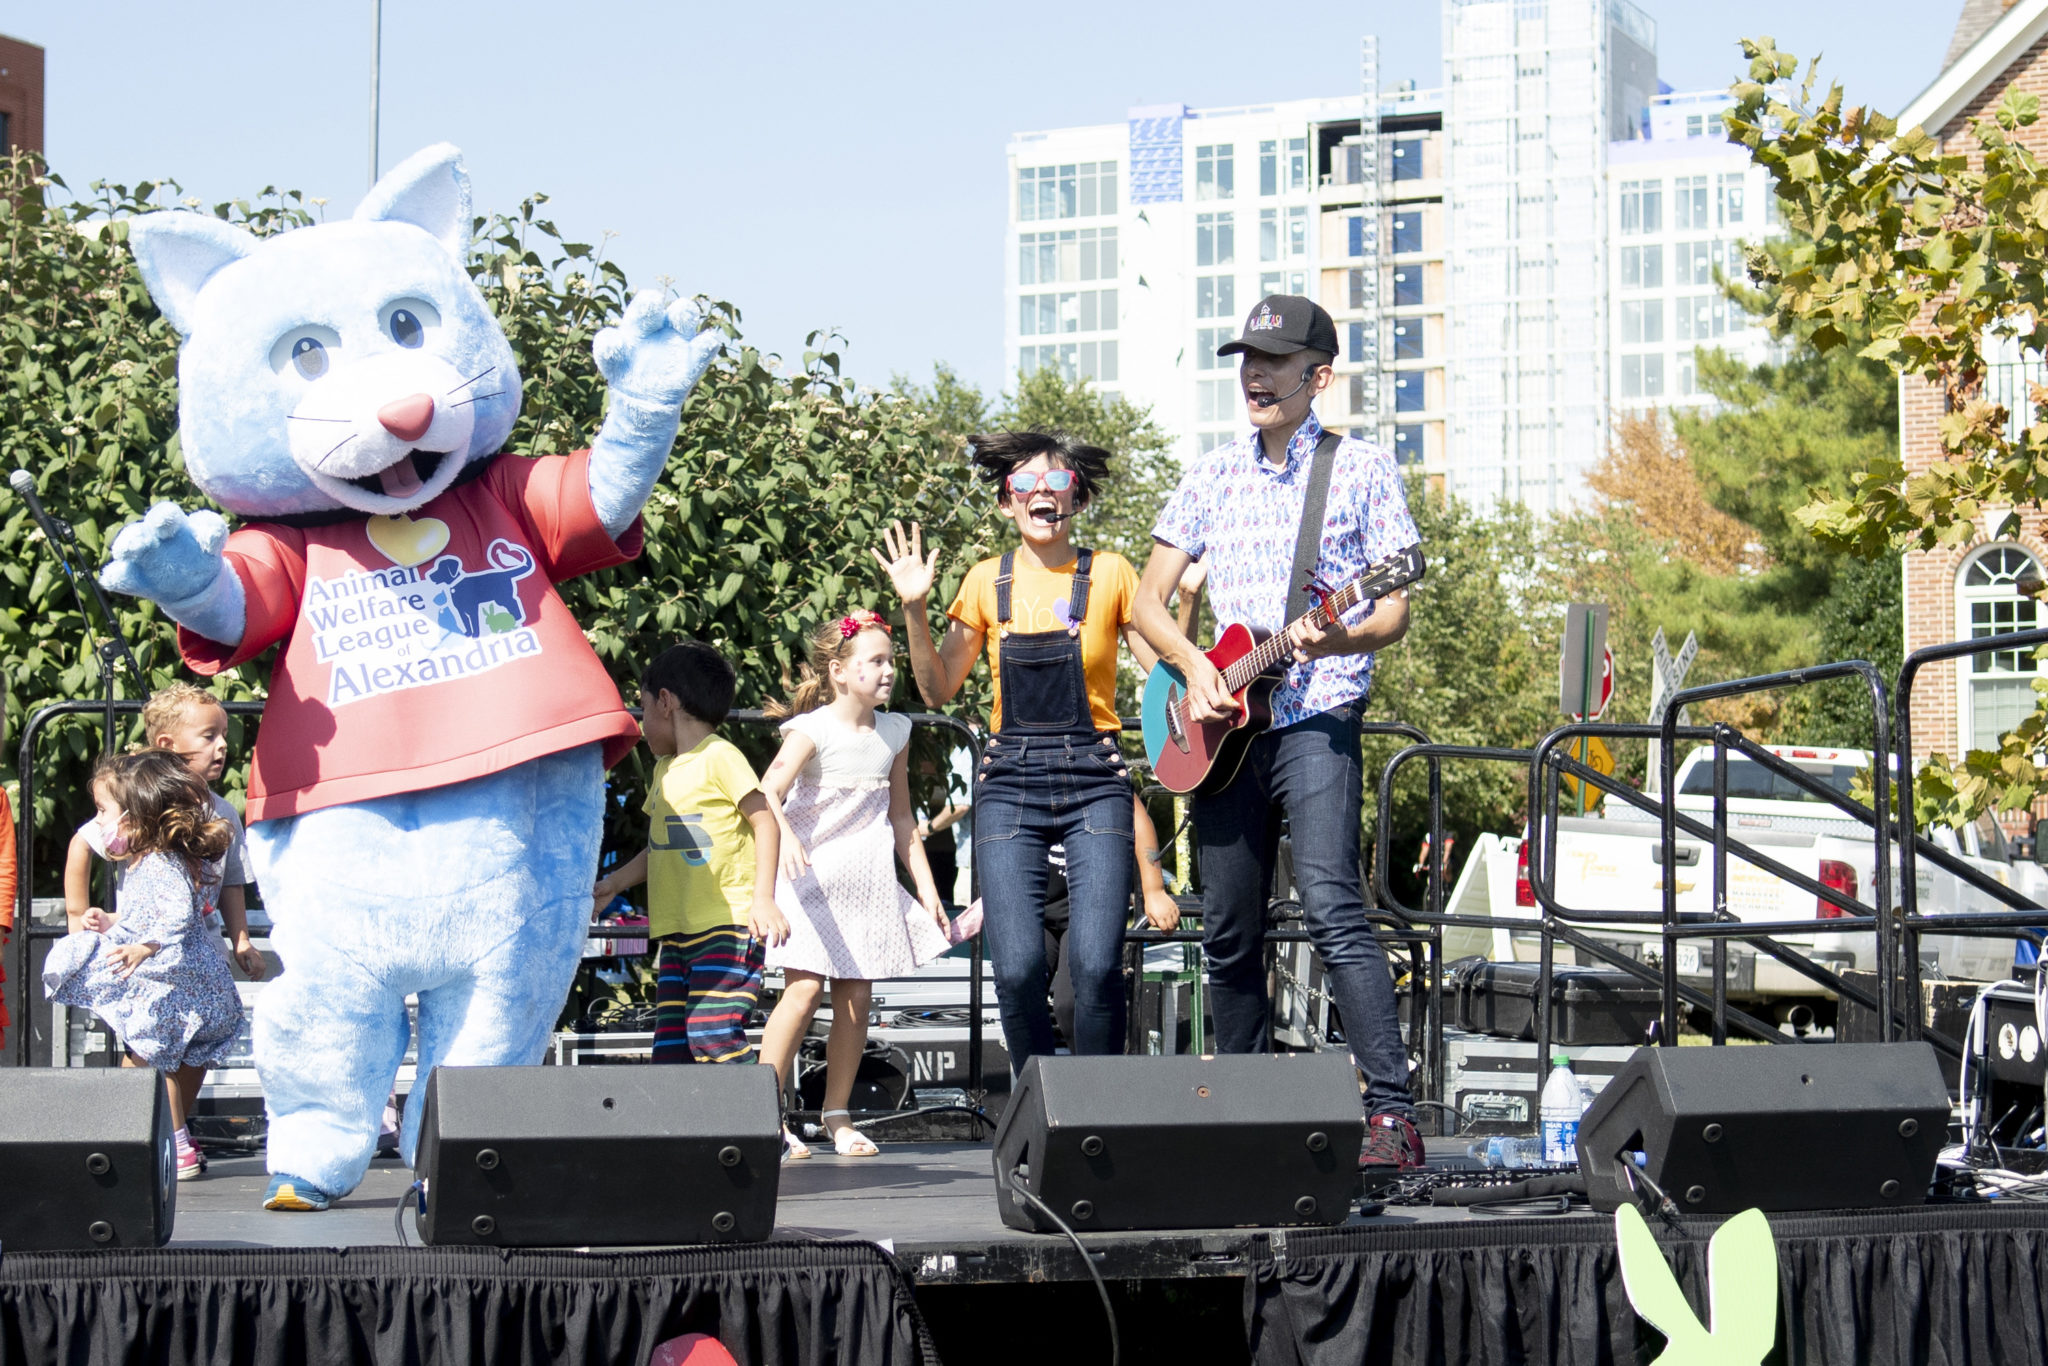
(705, 987)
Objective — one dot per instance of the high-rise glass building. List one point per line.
(1510, 259)
(1537, 89)
(1136, 249)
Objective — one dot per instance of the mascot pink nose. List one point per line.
(408, 418)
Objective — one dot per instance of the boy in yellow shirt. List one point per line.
(709, 862)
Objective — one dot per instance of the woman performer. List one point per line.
(1051, 614)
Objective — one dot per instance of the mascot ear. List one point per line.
(429, 190)
(178, 253)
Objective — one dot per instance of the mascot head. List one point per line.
(349, 367)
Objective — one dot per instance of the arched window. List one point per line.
(1997, 686)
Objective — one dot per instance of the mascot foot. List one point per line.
(293, 1193)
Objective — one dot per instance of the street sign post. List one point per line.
(1605, 693)
(1579, 680)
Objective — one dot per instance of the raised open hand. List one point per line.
(908, 567)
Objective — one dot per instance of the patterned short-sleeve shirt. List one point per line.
(1243, 512)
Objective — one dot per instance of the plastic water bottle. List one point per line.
(1561, 1106)
(1507, 1152)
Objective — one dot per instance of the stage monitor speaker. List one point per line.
(1785, 1127)
(86, 1159)
(1181, 1142)
(599, 1156)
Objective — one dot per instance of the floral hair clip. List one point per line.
(861, 619)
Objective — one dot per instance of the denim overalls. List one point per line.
(1048, 778)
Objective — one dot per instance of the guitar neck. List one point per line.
(1275, 647)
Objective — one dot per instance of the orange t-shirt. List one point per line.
(428, 649)
(1038, 602)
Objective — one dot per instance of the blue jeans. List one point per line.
(1033, 793)
(1312, 769)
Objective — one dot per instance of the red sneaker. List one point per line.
(190, 1164)
(1391, 1141)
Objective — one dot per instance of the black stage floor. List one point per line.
(930, 1204)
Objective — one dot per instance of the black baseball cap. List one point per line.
(1283, 323)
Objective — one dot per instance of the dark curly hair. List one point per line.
(998, 453)
(165, 806)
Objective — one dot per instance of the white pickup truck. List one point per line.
(1611, 862)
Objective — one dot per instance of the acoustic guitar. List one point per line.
(1203, 756)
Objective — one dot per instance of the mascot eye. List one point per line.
(310, 351)
(406, 329)
(310, 357)
(406, 320)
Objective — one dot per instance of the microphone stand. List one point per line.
(113, 649)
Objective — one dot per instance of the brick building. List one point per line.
(21, 96)
(1970, 590)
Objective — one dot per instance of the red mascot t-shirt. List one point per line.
(425, 649)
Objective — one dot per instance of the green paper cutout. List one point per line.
(1742, 1291)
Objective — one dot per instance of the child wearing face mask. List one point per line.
(154, 972)
(191, 724)
(840, 790)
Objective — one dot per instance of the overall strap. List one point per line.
(1003, 587)
(1077, 596)
(1308, 544)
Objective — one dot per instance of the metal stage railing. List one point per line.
(28, 932)
(1893, 917)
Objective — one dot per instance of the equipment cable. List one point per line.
(398, 1214)
(1108, 1312)
(975, 1110)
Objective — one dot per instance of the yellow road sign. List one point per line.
(1591, 751)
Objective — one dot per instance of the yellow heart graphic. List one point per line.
(407, 542)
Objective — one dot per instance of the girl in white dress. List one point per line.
(840, 788)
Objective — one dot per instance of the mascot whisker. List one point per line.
(426, 793)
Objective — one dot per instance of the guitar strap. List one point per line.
(1308, 543)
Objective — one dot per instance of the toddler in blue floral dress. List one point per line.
(150, 972)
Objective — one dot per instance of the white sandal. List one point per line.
(848, 1142)
(794, 1149)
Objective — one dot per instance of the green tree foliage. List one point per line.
(1477, 667)
(759, 528)
(1778, 431)
(1936, 258)
(1142, 474)
(88, 402)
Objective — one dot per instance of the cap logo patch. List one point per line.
(1265, 322)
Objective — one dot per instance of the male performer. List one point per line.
(1241, 509)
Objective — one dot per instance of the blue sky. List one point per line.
(820, 166)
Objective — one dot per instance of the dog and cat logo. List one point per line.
(386, 630)
(474, 603)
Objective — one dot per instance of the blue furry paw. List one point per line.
(169, 555)
(294, 1193)
(174, 559)
(657, 354)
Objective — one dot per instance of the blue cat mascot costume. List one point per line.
(427, 787)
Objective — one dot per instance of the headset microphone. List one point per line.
(1308, 372)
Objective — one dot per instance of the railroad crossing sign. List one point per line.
(1667, 676)
(1670, 673)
